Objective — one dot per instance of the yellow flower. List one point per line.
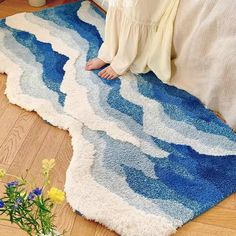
(2, 173)
(48, 165)
(56, 195)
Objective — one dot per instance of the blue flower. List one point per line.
(18, 200)
(1, 203)
(12, 184)
(37, 191)
(31, 196)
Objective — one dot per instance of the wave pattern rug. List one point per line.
(147, 157)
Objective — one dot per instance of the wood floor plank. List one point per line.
(229, 203)
(10, 7)
(83, 227)
(219, 217)
(7, 9)
(3, 166)
(199, 229)
(3, 99)
(102, 231)
(62, 159)
(8, 120)
(3, 78)
(65, 216)
(3, 105)
(30, 147)
(48, 150)
(16, 137)
(11, 231)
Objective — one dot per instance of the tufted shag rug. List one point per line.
(147, 157)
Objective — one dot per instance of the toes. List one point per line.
(108, 73)
(110, 76)
(105, 75)
(113, 77)
(113, 74)
(102, 73)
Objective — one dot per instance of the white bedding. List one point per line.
(205, 47)
(204, 53)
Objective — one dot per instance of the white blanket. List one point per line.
(204, 61)
(204, 53)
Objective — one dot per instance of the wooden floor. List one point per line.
(25, 139)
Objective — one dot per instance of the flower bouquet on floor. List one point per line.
(31, 210)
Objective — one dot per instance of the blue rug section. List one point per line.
(51, 61)
(186, 160)
(182, 106)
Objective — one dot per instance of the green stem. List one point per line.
(3, 219)
(23, 228)
(35, 223)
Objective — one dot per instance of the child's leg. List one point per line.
(138, 38)
(109, 48)
(120, 47)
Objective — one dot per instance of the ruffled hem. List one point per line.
(139, 46)
(126, 42)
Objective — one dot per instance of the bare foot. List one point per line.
(108, 73)
(95, 64)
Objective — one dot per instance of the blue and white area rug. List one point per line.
(147, 157)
